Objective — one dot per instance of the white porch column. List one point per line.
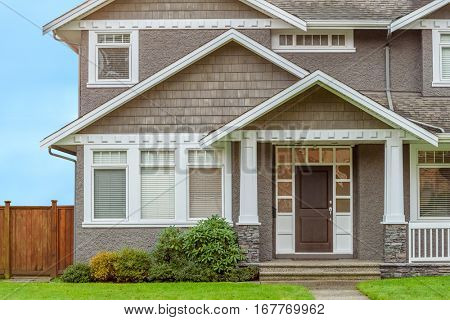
(248, 213)
(393, 180)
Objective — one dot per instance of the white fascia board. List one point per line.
(203, 51)
(77, 12)
(418, 14)
(92, 5)
(348, 24)
(272, 10)
(335, 86)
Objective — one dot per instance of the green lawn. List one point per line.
(152, 291)
(418, 288)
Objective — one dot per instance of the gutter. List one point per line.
(388, 71)
(50, 151)
(427, 125)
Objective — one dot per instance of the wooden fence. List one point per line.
(35, 240)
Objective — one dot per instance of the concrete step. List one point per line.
(277, 277)
(339, 270)
(321, 269)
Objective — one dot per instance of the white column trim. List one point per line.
(394, 212)
(248, 212)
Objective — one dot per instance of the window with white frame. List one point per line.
(205, 183)
(313, 41)
(109, 185)
(158, 184)
(434, 184)
(441, 58)
(113, 58)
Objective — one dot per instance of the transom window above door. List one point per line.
(313, 41)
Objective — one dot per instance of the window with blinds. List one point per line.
(109, 193)
(434, 192)
(110, 157)
(113, 54)
(445, 56)
(205, 183)
(157, 185)
(205, 192)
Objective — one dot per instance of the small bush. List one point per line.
(213, 243)
(102, 266)
(169, 248)
(77, 273)
(241, 274)
(132, 265)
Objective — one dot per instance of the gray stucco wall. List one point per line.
(265, 200)
(89, 241)
(369, 201)
(365, 69)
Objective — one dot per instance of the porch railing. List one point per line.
(429, 242)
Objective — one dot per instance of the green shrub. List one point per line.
(169, 248)
(102, 266)
(132, 265)
(77, 273)
(213, 243)
(186, 272)
(241, 274)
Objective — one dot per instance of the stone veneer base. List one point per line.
(395, 243)
(399, 270)
(248, 237)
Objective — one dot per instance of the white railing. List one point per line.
(429, 242)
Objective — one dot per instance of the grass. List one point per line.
(151, 291)
(418, 288)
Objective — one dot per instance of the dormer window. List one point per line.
(313, 41)
(441, 58)
(113, 59)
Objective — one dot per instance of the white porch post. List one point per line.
(248, 213)
(393, 175)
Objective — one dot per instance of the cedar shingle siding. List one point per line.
(316, 109)
(201, 98)
(175, 9)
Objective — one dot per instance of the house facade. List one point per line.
(319, 129)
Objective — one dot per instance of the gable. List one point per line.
(203, 97)
(175, 9)
(316, 109)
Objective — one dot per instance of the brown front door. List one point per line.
(313, 209)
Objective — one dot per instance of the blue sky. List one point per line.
(39, 94)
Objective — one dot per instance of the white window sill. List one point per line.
(441, 84)
(315, 50)
(111, 85)
(137, 224)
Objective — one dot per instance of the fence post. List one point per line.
(55, 240)
(7, 239)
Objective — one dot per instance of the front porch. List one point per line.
(362, 213)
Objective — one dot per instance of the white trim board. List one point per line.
(91, 6)
(417, 14)
(333, 85)
(203, 51)
(165, 24)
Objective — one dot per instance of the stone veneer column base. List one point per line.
(248, 237)
(395, 243)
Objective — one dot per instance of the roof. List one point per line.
(350, 9)
(121, 99)
(434, 111)
(90, 6)
(345, 92)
